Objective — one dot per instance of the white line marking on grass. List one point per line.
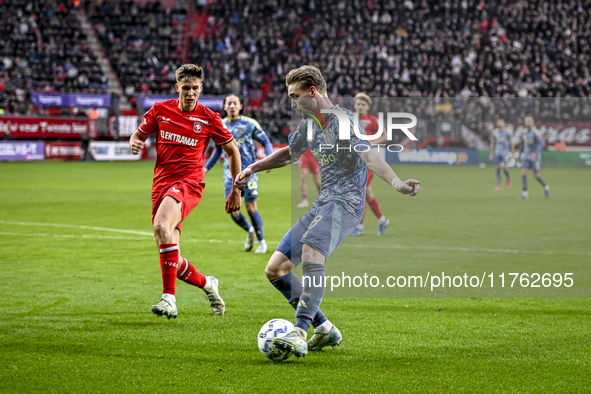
(114, 230)
(458, 249)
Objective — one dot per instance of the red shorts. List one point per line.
(187, 193)
(369, 177)
(309, 162)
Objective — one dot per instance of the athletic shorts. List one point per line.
(250, 192)
(501, 159)
(323, 227)
(187, 193)
(309, 162)
(535, 165)
(369, 177)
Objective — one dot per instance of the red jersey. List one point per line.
(182, 139)
(370, 122)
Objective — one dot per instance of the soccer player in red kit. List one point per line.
(184, 128)
(362, 104)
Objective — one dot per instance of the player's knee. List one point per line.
(251, 207)
(162, 231)
(271, 272)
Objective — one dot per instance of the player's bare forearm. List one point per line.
(376, 164)
(136, 142)
(279, 158)
(382, 139)
(234, 200)
(379, 167)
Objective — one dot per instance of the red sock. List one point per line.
(169, 257)
(189, 274)
(363, 219)
(304, 196)
(375, 207)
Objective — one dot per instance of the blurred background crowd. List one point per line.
(411, 49)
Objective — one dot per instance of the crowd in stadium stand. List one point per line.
(411, 48)
(399, 49)
(43, 49)
(142, 42)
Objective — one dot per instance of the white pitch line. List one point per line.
(458, 249)
(114, 230)
(147, 234)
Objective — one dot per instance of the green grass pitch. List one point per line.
(80, 272)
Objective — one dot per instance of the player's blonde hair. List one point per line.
(364, 97)
(305, 77)
(188, 71)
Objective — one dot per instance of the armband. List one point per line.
(396, 182)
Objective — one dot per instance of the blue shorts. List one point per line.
(323, 227)
(250, 192)
(535, 165)
(501, 159)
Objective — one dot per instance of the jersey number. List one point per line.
(316, 220)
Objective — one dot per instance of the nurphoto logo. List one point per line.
(392, 123)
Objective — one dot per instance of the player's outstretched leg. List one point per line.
(189, 274)
(241, 220)
(169, 256)
(310, 300)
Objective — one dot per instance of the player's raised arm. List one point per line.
(383, 170)
(234, 200)
(279, 158)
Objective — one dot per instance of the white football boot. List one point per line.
(262, 248)
(303, 204)
(323, 338)
(166, 307)
(295, 341)
(249, 240)
(212, 295)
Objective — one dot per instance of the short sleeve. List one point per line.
(297, 143)
(219, 133)
(150, 122)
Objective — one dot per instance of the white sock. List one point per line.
(547, 187)
(382, 219)
(251, 229)
(525, 193)
(169, 297)
(324, 328)
(360, 227)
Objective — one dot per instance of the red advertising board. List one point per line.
(573, 134)
(29, 128)
(63, 150)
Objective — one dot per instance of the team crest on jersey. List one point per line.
(197, 127)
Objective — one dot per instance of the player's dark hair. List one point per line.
(305, 77)
(239, 100)
(188, 71)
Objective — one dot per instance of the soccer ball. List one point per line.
(275, 328)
